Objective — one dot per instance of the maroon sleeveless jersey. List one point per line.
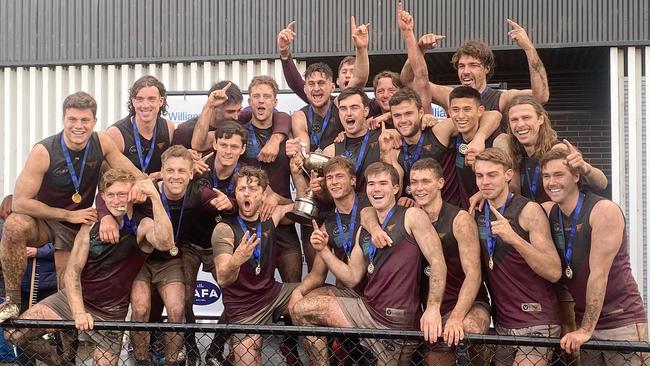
(351, 148)
(432, 148)
(622, 304)
(196, 224)
(250, 292)
(336, 239)
(109, 272)
(455, 275)
(333, 128)
(277, 170)
(521, 297)
(160, 143)
(57, 187)
(392, 291)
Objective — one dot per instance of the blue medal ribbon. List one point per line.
(362, 152)
(231, 185)
(129, 225)
(409, 160)
(76, 181)
(144, 163)
(568, 248)
(316, 136)
(372, 249)
(256, 144)
(532, 184)
(165, 203)
(257, 252)
(347, 238)
(491, 240)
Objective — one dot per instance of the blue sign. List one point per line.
(206, 293)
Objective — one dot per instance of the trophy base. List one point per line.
(300, 217)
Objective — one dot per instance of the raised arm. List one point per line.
(607, 225)
(72, 278)
(591, 175)
(538, 78)
(361, 63)
(202, 138)
(415, 57)
(291, 74)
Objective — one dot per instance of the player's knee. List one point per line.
(16, 228)
(140, 310)
(175, 312)
(298, 312)
(476, 322)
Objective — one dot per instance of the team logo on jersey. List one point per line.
(59, 172)
(206, 293)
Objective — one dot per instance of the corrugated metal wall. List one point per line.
(32, 97)
(60, 32)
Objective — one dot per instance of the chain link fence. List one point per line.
(127, 343)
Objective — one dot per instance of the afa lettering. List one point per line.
(206, 293)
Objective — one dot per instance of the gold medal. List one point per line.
(371, 268)
(173, 251)
(76, 197)
(427, 271)
(407, 190)
(491, 263)
(568, 272)
(463, 148)
(258, 270)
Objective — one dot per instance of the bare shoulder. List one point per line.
(606, 212)
(548, 206)
(107, 142)
(533, 217)
(224, 231)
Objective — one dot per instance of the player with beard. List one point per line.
(530, 135)
(387, 303)
(407, 112)
(475, 64)
(198, 133)
(465, 304)
(353, 71)
(185, 202)
(245, 263)
(519, 260)
(99, 275)
(54, 193)
(589, 234)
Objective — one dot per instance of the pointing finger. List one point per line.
(353, 23)
(513, 24)
(314, 224)
(291, 24)
(207, 156)
(227, 86)
(400, 8)
(496, 213)
(571, 148)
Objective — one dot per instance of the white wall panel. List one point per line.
(629, 91)
(32, 97)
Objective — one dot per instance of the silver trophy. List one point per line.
(305, 209)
